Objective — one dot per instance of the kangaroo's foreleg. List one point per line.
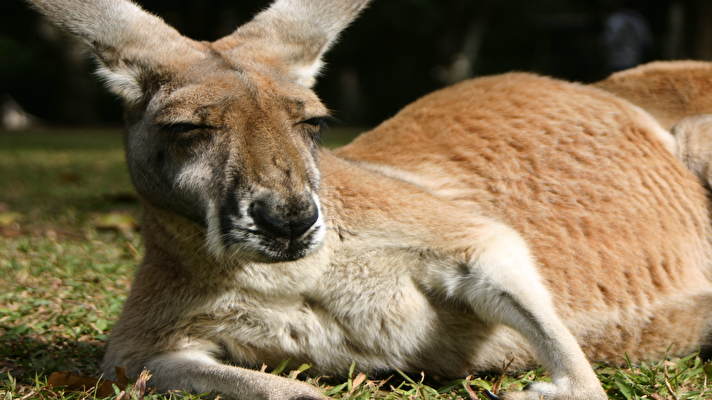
(500, 282)
(197, 371)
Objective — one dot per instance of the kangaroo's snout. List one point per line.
(288, 221)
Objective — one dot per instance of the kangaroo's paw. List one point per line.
(295, 390)
(550, 391)
(289, 389)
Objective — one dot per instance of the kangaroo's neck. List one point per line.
(358, 215)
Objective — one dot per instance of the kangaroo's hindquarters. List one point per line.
(620, 228)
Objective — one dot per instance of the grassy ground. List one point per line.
(68, 247)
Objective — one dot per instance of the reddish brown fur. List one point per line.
(669, 90)
(545, 157)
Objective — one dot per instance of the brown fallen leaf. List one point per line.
(104, 388)
(358, 380)
(10, 232)
(74, 382)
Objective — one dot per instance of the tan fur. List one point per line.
(668, 90)
(694, 138)
(585, 186)
(513, 217)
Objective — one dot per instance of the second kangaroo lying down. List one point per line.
(694, 145)
(678, 94)
(513, 217)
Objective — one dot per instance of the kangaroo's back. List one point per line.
(618, 225)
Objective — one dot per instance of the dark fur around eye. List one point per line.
(318, 122)
(316, 126)
(183, 127)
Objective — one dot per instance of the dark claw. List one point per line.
(491, 395)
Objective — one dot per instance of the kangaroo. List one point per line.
(694, 145)
(508, 218)
(678, 94)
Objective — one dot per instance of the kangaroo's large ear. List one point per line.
(292, 35)
(131, 45)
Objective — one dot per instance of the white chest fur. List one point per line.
(363, 307)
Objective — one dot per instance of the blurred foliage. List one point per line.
(396, 52)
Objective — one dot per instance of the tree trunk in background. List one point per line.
(703, 39)
(463, 63)
(674, 46)
(351, 101)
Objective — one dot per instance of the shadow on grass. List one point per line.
(28, 355)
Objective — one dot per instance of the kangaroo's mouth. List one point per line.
(239, 235)
(264, 247)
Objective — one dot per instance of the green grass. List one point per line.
(68, 248)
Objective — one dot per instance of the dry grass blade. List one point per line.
(28, 395)
(497, 385)
(468, 388)
(666, 381)
(139, 389)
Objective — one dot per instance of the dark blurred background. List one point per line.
(396, 52)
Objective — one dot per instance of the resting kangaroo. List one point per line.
(679, 96)
(513, 217)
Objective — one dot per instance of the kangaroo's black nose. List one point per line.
(284, 222)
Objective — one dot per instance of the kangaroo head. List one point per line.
(223, 133)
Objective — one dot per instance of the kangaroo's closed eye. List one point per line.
(183, 127)
(318, 122)
(316, 126)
